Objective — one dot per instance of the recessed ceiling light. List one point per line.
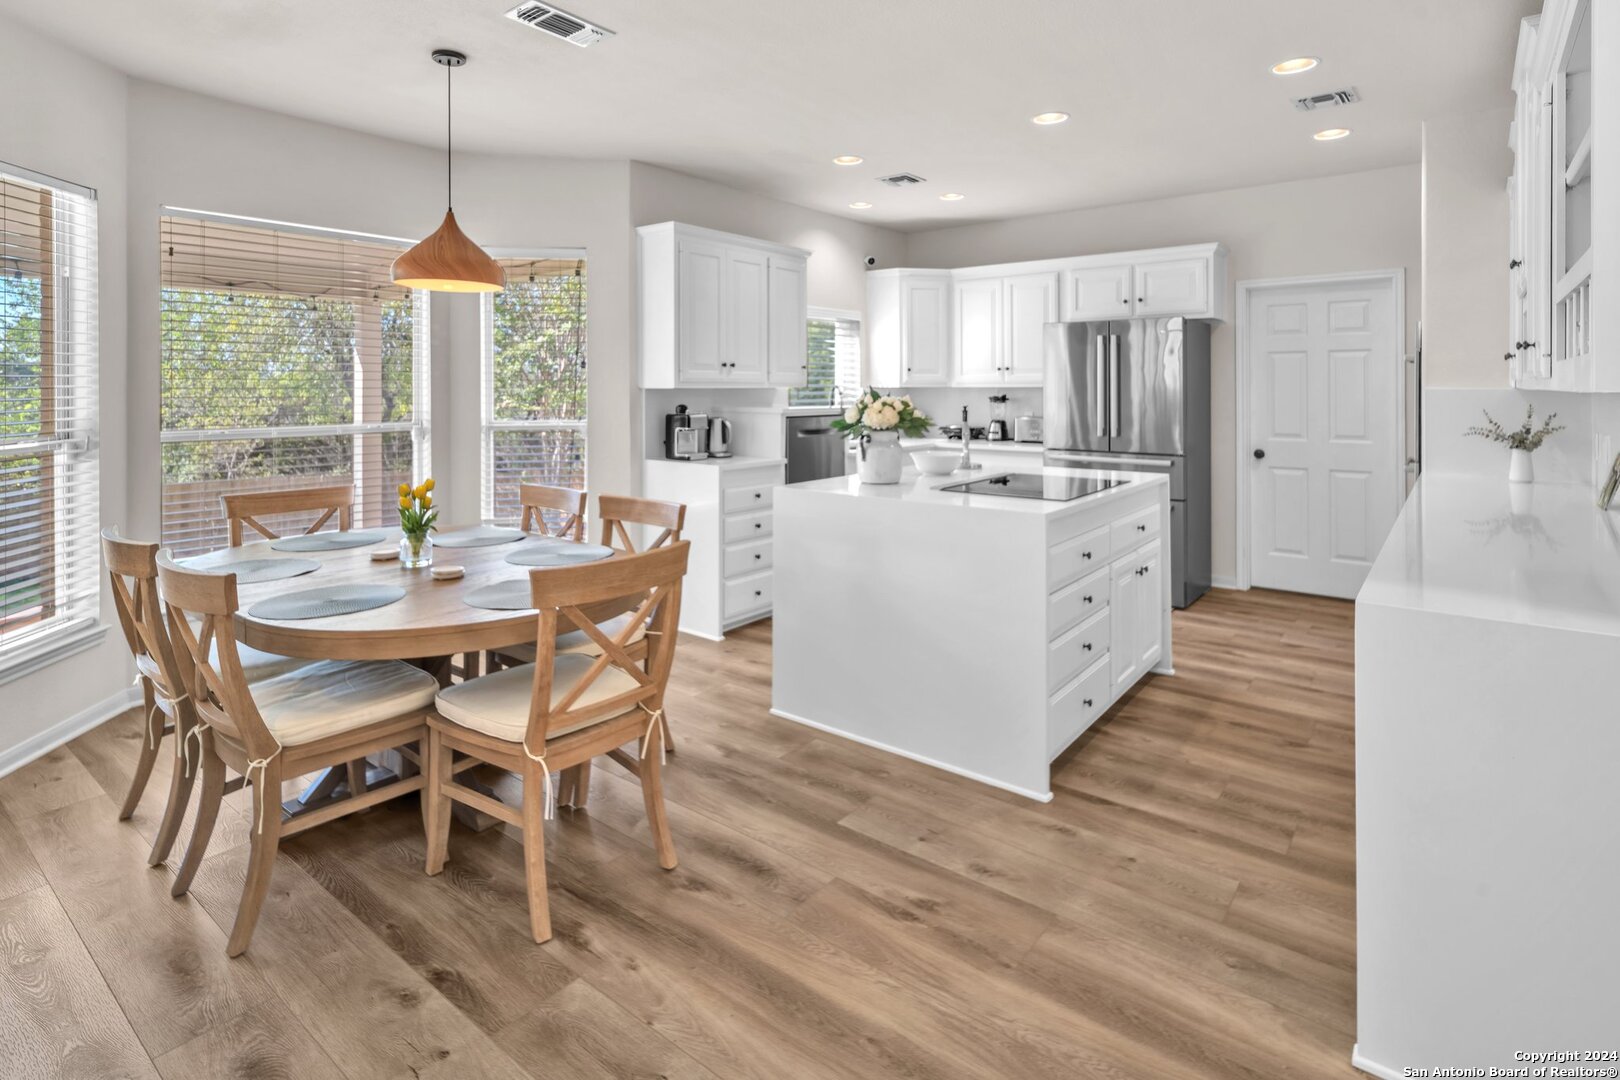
(848, 159)
(952, 196)
(1049, 118)
(860, 206)
(1296, 66)
(1330, 134)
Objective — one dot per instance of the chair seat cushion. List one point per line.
(256, 665)
(498, 704)
(325, 697)
(578, 641)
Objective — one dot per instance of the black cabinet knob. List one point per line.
(758, 593)
(1085, 555)
(1141, 528)
(1086, 599)
(1258, 454)
(1088, 702)
(1086, 646)
(759, 524)
(758, 556)
(759, 494)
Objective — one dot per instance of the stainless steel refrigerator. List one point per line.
(1134, 394)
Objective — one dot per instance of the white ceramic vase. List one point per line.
(1519, 468)
(881, 458)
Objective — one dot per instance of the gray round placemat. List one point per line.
(511, 595)
(251, 571)
(550, 551)
(479, 536)
(331, 600)
(330, 541)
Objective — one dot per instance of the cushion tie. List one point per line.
(154, 731)
(653, 716)
(185, 745)
(550, 812)
(263, 765)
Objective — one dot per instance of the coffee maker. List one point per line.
(686, 435)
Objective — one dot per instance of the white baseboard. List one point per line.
(1038, 796)
(1220, 581)
(37, 746)
(1383, 1072)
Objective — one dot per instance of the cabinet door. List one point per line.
(925, 330)
(745, 307)
(978, 338)
(700, 285)
(1178, 287)
(1149, 621)
(787, 364)
(1030, 301)
(1096, 292)
(1125, 611)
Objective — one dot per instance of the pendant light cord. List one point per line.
(449, 176)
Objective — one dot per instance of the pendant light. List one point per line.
(448, 261)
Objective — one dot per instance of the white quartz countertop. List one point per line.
(916, 488)
(737, 461)
(979, 445)
(1536, 554)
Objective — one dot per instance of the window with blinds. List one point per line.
(835, 360)
(50, 563)
(290, 359)
(534, 382)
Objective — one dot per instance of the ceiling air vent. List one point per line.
(901, 179)
(1328, 100)
(558, 23)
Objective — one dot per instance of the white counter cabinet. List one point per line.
(977, 633)
(1488, 779)
(729, 520)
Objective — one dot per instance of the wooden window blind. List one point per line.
(834, 355)
(290, 359)
(534, 382)
(50, 562)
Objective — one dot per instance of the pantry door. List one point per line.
(1321, 447)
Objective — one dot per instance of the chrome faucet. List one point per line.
(967, 437)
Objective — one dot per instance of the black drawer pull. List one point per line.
(1141, 528)
(1088, 702)
(1085, 599)
(1086, 646)
(759, 524)
(1085, 555)
(758, 593)
(759, 494)
(758, 556)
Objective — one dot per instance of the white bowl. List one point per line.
(936, 462)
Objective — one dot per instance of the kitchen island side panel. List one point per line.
(916, 628)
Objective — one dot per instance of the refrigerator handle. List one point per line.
(1102, 381)
(1113, 385)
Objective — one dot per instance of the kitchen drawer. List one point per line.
(740, 559)
(1076, 557)
(1072, 604)
(740, 527)
(744, 499)
(1133, 530)
(1072, 651)
(748, 594)
(1075, 707)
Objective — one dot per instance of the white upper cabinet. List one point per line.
(718, 309)
(989, 322)
(787, 359)
(1095, 293)
(908, 327)
(1564, 200)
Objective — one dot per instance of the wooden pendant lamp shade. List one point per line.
(448, 261)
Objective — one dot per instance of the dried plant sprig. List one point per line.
(1525, 437)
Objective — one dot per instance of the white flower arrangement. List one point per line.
(875, 412)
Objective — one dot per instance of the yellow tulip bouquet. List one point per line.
(417, 516)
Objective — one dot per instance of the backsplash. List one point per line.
(1581, 454)
(944, 404)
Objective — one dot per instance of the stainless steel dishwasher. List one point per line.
(815, 450)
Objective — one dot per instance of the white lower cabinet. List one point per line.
(728, 521)
(1107, 608)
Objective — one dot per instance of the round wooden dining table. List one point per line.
(432, 620)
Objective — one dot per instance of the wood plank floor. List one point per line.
(1182, 910)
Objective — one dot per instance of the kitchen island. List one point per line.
(981, 634)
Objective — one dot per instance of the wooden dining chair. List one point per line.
(167, 706)
(247, 507)
(322, 715)
(538, 498)
(566, 708)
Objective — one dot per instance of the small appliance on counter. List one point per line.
(686, 435)
(719, 437)
(1028, 429)
(954, 431)
(996, 430)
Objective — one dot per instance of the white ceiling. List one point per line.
(1167, 96)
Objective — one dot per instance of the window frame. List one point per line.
(842, 394)
(488, 425)
(68, 439)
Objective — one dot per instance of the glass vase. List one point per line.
(415, 551)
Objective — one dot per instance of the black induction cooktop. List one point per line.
(1035, 486)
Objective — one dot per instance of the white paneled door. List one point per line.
(1325, 481)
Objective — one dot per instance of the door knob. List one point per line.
(1258, 454)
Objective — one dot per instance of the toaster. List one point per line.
(1028, 429)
